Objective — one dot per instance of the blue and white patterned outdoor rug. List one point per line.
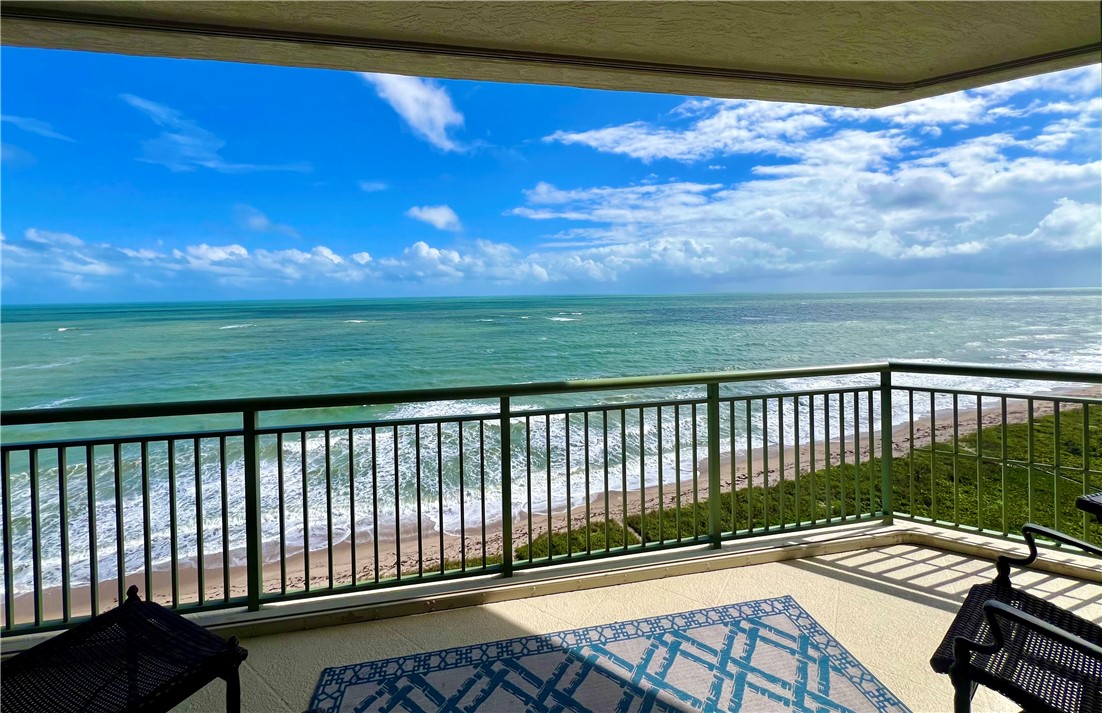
(766, 655)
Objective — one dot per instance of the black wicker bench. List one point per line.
(138, 656)
(1031, 651)
(1091, 504)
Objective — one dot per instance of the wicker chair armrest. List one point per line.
(996, 612)
(1030, 532)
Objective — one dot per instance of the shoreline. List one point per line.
(733, 473)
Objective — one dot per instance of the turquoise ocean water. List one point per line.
(85, 355)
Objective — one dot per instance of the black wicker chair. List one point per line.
(1036, 654)
(138, 656)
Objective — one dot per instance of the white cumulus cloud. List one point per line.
(424, 105)
(440, 217)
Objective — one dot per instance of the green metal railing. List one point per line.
(268, 511)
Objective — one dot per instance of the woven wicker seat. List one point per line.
(138, 656)
(1035, 653)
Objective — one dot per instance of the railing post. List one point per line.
(714, 528)
(254, 562)
(506, 489)
(886, 505)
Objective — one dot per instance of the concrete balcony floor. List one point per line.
(888, 605)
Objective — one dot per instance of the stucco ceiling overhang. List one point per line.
(864, 54)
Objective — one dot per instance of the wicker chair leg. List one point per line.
(233, 691)
(963, 688)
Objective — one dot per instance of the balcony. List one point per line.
(628, 498)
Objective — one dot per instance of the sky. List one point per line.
(148, 179)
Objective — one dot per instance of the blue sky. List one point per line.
(149, 179)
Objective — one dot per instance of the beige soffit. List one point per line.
(864, 54)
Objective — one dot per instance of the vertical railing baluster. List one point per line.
(328, 434)
(826, 456)
(281, 485)
(528, 478)
(858, 511)
(147, 523)
(63, 512)
(174, 542)
(780, 463)
(749, 466)
(1002, 460)
(911, 447)
(36, 535)
(353, 534)
(886, 454)
(420, 514)
(547, 460)
(642, 473)
(588, 493)
(842, 452)
(1086, 461)
(120, 533)
(569, 491)
(956, 456)
(871, 430)
(303, 472)
(9, 594)
(979, 461)
(397, 509)
(734, 474)
(797, 446)
(93, 539)
(200, 559)
(1056, 465)
(604, 443)
(661, 478)
(254, 556)
(812, 456)
(933, 465)
(225, 491)
(696, 475)
(440, 491)
(462, 499)
(375, 501)
(714, 529)
(506, 488)
(624, 472)
(482, 481)
(677, 468)
(1029, 460)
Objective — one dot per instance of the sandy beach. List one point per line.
(428, 553)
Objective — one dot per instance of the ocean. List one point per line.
(95, 354)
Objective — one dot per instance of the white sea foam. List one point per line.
(65, 329)
(53, 404)
(237, 326)
(354, 321)
(562, 319)
(48, 365)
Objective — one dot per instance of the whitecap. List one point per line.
(484, 320)
(347, 321)
(48, 365)
(562, 319)
(237, 326)
(53, 404)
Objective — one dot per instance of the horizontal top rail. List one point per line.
(372, 398)
(998, 372)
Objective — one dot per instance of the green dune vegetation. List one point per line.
(963, 481)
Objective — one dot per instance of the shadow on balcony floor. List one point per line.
(888, 606)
